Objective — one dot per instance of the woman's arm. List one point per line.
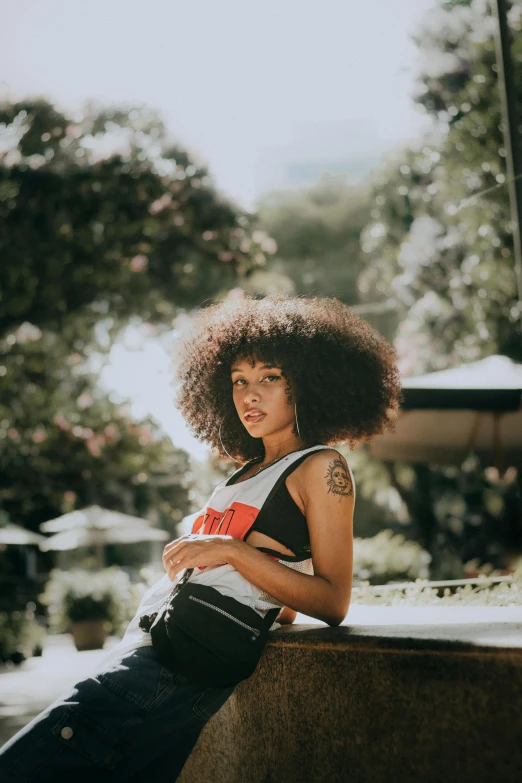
(314, 595)
(286, 616)
(328, 496)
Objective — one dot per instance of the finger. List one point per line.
(175, 541)
(172, 567)
(169, 561)
(172, 552)
(177, 568)
(177, 558)
(174, 547)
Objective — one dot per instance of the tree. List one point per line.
(64, 444)
(440, 240)
(317, 234)
(103, 220)
(104, 214)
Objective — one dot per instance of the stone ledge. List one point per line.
(479, 637)
(376, 700)
(459, 628)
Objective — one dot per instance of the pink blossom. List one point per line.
(111, 431)
(139, 263)
(84, 400)
(160, 204)
(94, 445)
(61, 422)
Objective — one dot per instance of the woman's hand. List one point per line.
(196, 551)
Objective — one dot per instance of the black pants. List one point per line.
(134, 721)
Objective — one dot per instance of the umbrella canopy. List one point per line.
(93, 517)
(18, 536)
(445, 415)
(79, 537)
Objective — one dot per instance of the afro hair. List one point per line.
(341, 372)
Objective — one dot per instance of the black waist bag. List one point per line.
(207, 636)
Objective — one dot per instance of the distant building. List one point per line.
(338, 148)
(307, 173)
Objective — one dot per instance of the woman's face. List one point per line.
(340, 478)
(261, 388)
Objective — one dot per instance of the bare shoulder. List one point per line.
(329, 503)
(327, 471)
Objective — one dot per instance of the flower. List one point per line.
(139, 263)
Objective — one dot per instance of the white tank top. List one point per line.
(230, 510)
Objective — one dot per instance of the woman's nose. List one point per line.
(252, 394)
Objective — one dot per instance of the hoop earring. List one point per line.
(296, 422)
(223, 447)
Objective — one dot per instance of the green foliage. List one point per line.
(76, 595)
(387, 557)
(446, 256)
(458, 514)
(104, 213)
(317, 233)
(64, 444)
(20, 634)
(443, 248)
(102, 219)
(483, 593)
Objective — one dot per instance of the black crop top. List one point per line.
(280, 517)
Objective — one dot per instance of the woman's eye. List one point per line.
(266, 378)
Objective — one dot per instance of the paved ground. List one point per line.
(27, 689)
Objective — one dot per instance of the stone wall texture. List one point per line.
(372, 705)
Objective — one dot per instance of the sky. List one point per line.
(249, 88)
(253, 90)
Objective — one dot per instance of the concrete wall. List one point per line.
(412, 704)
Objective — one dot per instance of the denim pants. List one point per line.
(133, 721)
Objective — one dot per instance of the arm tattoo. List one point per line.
(339, 479)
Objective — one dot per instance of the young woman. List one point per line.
(273, 384)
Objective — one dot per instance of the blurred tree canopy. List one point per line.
(103, 220)
(65, 444)
(441, 244)
(440, 241)
(103, 213)
(317, 232)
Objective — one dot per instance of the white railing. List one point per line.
(478, 580)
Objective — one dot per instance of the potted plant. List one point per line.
(90, 605)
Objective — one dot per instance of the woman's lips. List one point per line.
(254, 418)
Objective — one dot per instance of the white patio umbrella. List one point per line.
(445, 415)
(93, 517)
(18, 536)
(96, 526)
(99, 538)
(73, 539)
